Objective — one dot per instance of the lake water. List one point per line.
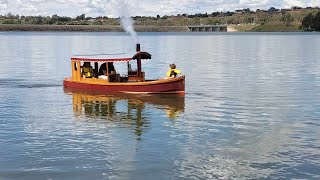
(251, 109)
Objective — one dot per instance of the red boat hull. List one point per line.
(175, 85)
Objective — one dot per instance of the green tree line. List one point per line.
(311, 22)
(56, 20)
(306, 19)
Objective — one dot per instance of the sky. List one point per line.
(112, 8)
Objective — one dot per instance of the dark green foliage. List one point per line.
(81, 17)
(10, 21)
(64, 19)
(164, 17)
(249, 19)
(316, 22)
(311, 22)
(199, 15)
(307, 22)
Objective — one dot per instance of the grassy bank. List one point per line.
(89, 28)
(243, 27)
(277, 27)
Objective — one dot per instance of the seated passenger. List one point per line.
(87, 70)
(111, 72)
(103, 69)
(111, 68)
(173, 72)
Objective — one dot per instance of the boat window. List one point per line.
(75, 66)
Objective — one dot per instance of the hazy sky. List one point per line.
(139, 7)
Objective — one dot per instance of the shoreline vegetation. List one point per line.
(294, 19)
(89, 28)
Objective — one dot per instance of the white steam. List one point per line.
(126, 21)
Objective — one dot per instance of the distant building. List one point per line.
(92, 19)
(296, 8)
(214, 14)
(285, 10)
(273, 10)
(238, 11)
(228, 13)
(247, 10)
(315, 8)
(179, 16)
(220, 15)
(312, 8)
(261, 11)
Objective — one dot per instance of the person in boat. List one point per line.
(111, 68)
(103, 69)
(87, 70)
(173, 72)
(111, 71)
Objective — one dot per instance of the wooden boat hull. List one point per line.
(172, 85)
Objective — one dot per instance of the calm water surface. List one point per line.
(252, 109)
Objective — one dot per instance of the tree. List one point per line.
(287, 18)
(36, 20)
(81, 17)
(64, 19)
(164, 17)
(263, 18)
(316, 22)
(9, 21)
(10, 15)
(158, 16)
(249, 19)
(307, 22)
(214, 22)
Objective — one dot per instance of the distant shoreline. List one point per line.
(295, 19)
(103, 28)
(89, 28)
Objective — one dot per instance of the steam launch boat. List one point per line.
(86, 75)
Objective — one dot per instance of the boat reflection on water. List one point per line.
(129, 109)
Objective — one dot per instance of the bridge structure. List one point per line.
(208, 28)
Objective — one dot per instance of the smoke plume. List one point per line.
(126, 21)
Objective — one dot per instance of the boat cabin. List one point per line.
(100, 67)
